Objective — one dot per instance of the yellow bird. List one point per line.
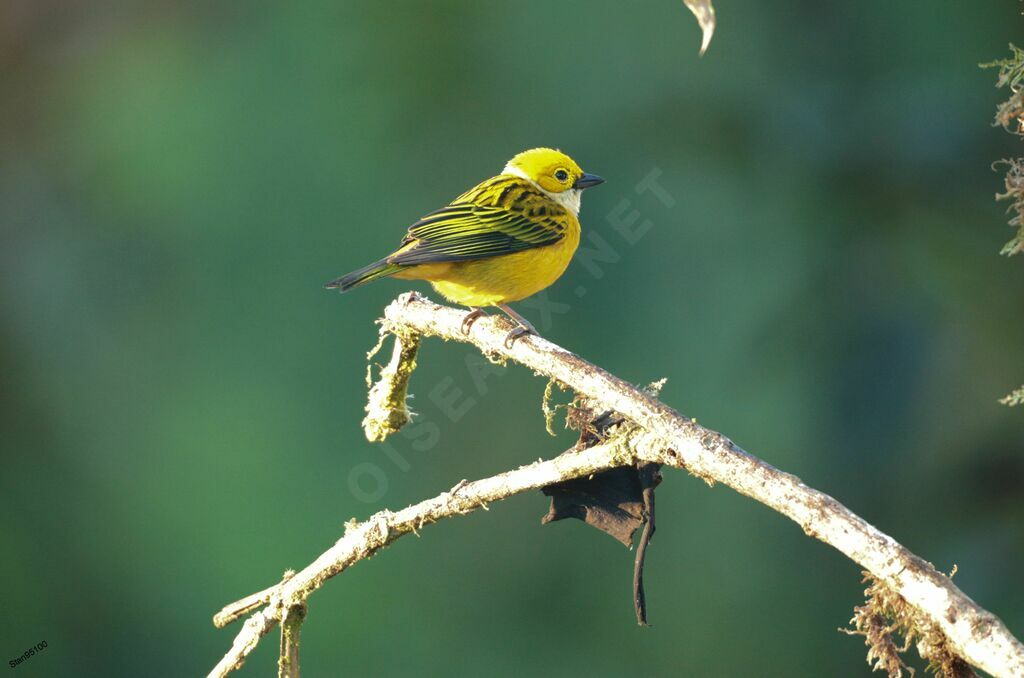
(503, 240)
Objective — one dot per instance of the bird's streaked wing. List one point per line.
(464, 231)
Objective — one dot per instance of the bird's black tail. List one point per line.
(378, 269)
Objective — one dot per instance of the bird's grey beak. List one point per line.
(588, 180)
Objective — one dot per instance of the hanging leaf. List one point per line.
(705, 13)
(618, 501)
(612, 501)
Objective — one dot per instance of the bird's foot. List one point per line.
(524, 326)
(472, 317)
(510, 338)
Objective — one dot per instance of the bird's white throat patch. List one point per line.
(569, 199)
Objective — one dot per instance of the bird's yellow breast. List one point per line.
(502, 279)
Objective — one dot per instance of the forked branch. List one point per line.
(655, 433)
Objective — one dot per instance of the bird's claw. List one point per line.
(523, 326)
(471, 317)
(510, 338)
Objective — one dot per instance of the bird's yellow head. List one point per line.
(555, 173)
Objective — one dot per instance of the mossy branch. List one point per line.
(291, 626)
(386, 408)
(885, 617)
(653, 432)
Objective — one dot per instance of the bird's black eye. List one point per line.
(561, 175)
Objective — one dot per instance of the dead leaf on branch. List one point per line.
(612, 501)
(705, 13)
(618, 501)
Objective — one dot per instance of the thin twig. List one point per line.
(363, 540)
(255, 627)
(240, 608)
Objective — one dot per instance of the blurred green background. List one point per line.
(181, 400)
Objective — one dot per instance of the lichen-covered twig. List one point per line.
(291, 626)
(238, 609)
(386, 407)
(655, 433)
(365, 539)
(255, 627)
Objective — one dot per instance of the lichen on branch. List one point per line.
(1010, 113)
(1014, 193)
(890, 626)
(387, 408)
(1010, 116)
